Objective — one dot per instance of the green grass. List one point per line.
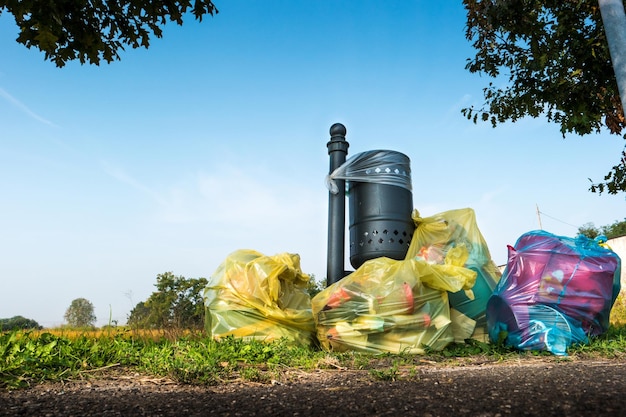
(28, 358)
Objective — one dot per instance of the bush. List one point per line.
(18, 323)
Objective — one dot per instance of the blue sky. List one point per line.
(214, 139)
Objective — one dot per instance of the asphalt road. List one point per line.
(553, 388)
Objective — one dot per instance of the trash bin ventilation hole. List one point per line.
(391, 240)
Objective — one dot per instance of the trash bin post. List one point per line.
(337, 151)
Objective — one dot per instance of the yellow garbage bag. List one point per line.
(253, 296)
(389, 306)
(453, 238)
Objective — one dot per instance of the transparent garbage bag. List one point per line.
(555, 291)
(388, 305)
(253, 296)
(377, 166)
(453, 237)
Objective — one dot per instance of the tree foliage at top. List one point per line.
(177, 303)
(553, 59)
(80, 313)
(92, 30)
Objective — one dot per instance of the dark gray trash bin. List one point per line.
(380, 205)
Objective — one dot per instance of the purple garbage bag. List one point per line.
(555, 291)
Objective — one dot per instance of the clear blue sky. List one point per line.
(214, 139)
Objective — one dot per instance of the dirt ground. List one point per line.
(544, 387)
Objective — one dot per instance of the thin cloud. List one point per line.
(236, 198)
(18, 104)
(453, 114)
(123, 177)
(459, 104)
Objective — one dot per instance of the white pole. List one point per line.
(614, 21)
(539, 217)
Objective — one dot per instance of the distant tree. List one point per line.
(140, 317)
(589, 230)
(80, 313)
(314, 287)
(611, 231)
(551, 57)
(97, 29)
(177, 303)
(18, 323)
(617, 229)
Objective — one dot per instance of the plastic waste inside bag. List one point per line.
(388, 305)
(555, 292)
(252, 296)
(453, 237)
